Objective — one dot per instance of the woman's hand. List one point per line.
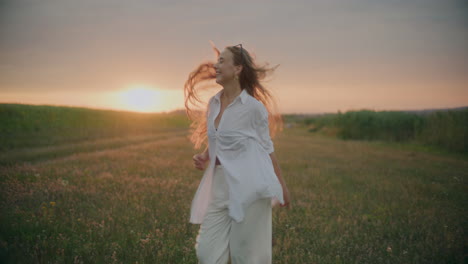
(286, 198)
(200, 159)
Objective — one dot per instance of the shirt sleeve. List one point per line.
(263, 130)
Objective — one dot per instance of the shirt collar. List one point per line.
(243, 96)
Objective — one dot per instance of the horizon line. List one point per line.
(282, 113)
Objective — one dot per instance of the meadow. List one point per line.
(119, 195)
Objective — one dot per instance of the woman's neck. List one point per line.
(231, 90)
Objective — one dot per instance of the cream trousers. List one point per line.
(220, 238)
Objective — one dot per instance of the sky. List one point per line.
(334, 55)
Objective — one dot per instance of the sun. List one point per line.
(142, 98)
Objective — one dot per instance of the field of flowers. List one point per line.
(128, 201)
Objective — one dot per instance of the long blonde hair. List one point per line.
(250, 79)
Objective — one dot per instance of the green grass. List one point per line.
(91, 186)
(128, 201)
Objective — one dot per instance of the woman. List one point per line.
(242, 182)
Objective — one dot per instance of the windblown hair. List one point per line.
(250, 79)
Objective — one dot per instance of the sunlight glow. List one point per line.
(141, 98)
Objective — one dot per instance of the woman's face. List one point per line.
(225, 69)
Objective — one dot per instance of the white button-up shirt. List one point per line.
(242, 144)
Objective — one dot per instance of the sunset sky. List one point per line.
(333, 55)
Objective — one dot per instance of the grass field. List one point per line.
(127, 200)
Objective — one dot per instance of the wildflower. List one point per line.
(144, 240)
(64, 182)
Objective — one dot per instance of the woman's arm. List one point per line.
(286, 197)
(277, 169)
(263, 130)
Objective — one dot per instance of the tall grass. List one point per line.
(446, 130)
